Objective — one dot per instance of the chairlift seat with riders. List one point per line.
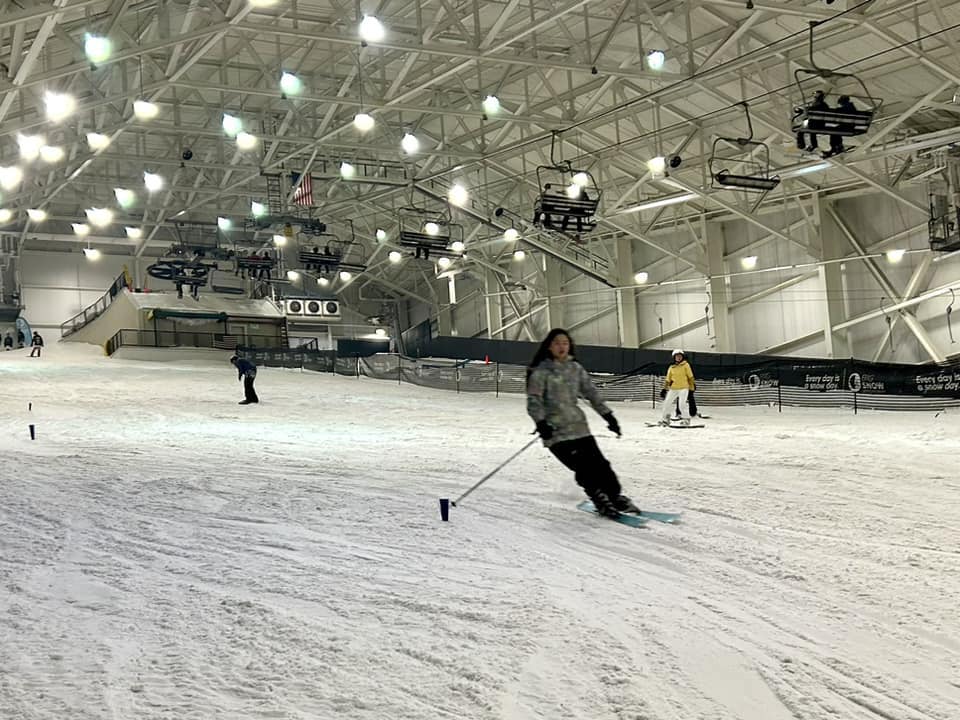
(569, 197)
(428, 233)
(844, 119)
(746, 168)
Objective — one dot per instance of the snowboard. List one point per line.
(631, 520)
(644, 515)
(677, 427)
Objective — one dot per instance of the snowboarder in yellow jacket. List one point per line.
(678, 384)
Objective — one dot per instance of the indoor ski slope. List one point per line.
(166, 553)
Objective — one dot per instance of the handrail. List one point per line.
(95, 309)
(134, 337)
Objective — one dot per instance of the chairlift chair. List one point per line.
(323, 252)
(833, 120)
(569, 197)
(748, 169)
(428, 233)
(944, 224)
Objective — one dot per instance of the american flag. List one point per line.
(303, 195)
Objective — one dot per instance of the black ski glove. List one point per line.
(663, 394)
(545, 430)
(612, 423)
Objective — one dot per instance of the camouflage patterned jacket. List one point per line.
(552, 396)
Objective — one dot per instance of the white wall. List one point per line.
(56, 286)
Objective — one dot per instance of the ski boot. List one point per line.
(604, 505)
(625, 505)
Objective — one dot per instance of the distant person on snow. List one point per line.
(678, 384)
(21, 339)
(36, 343)
(554, 382)
(8, 342)
(247, 372)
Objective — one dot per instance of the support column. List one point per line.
(552, 270)
(629, 330)
(719, 293)
(491, 304)
(834, 246)
(445, 326)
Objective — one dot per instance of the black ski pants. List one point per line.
(249, 394)
(592, 470)
(36, 351)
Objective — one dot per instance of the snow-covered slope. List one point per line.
(166, 553)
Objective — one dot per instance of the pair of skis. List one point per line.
(633, 519)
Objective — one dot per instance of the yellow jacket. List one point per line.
(680, 377)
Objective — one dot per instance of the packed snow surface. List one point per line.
(166, 553)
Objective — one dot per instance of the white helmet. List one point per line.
(677, 352)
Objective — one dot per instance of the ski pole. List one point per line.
(494, 471)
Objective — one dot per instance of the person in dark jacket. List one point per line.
(8, 342)
(21, 338)
(554, 382)
(819, 103)
(36, 343)
(247, 372)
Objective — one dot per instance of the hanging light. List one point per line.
(519, 255)
(80, 229)
(380, 332)
(896, 255)
(91, 253)
(6, 215)
(347, 170)
(395, 256)
(134, 233)
(293, 275)
(491, 105)
(573, 191)
(262, 3)
(363, 122)
(224, 224)
(345, 276)
(381, 235)
(36, 215)
(581, 179)
(458, 195)
(51, 154)
(10, 177)
(371, 29)
(125, 198)
(511, 234)
(231, 124)
(100, 217)
(323, 281)
(657, 166)
(246, 141)
(290, 84)
(444, 262)
(258, 209)
(153, 181)
(410, 144)
(97, 141)
(640, 278)
(59, 106)
(279, 240)
(30, 146)
(458, 246)
(655, 59)
(97, 48)
(749, 262)
(145, 110)
(431, 228)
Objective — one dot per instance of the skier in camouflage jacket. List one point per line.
(555, 381)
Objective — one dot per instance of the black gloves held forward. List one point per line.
(612, 423)
(663, 394)
(545, 430)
